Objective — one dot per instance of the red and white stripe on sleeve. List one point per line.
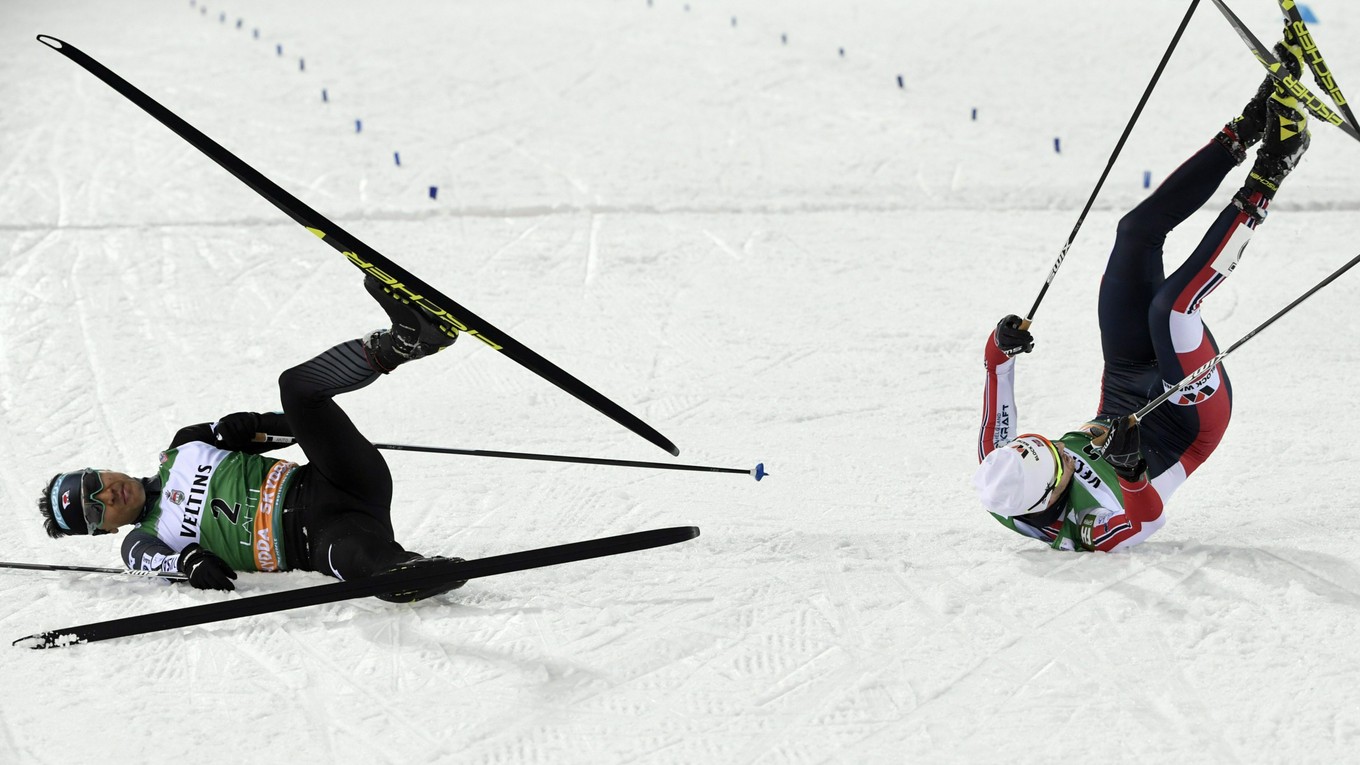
(998, 400)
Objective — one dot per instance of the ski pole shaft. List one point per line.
(1216, 360)
(1118, 147)
(757, 472)
(92, 570)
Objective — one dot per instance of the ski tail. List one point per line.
(443, 310)
(1322, 74)
(376, 585)
(1313, 103)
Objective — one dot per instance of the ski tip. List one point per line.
(51, 42)
(45, 640)
(759, 471)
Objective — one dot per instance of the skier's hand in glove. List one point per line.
(236, 431)
(205, 570)
(1123, 449)
(1011, 339)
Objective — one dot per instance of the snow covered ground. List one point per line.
(764, 248)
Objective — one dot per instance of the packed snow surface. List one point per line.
(730, 218)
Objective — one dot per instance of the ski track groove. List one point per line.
(1353, 595)
(593, 249)
(819, 689)
(380, 704)
(568, 210)
(89, 360)
(1188, 693)
(487, 261)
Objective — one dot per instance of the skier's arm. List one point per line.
(998, 393)
(236, 432)
(143, 551)
(1142, 511)
(203, 569)
(1140, 518)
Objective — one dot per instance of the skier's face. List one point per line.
(1064, 479)
(123, 498)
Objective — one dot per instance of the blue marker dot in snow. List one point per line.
(1057, 146)
(434, 192)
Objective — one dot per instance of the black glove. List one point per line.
(1123, 451)
(205, 570)
(1011, 339)
(236, 431)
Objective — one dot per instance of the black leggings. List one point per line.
(1151, 331)
(346, 495)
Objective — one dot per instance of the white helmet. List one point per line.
(1019, 477)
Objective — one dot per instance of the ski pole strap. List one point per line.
(757, 472)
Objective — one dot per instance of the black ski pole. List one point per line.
(92, 570)
(757, 472)
(1118, 147)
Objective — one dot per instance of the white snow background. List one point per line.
(764, 248)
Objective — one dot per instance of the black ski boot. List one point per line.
(1245, 130)
(1286, 139)
(414, 334)
(415, 561)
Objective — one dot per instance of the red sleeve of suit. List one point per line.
(998, 399)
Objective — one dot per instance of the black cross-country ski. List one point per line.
(450, 315)
(441, 572)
